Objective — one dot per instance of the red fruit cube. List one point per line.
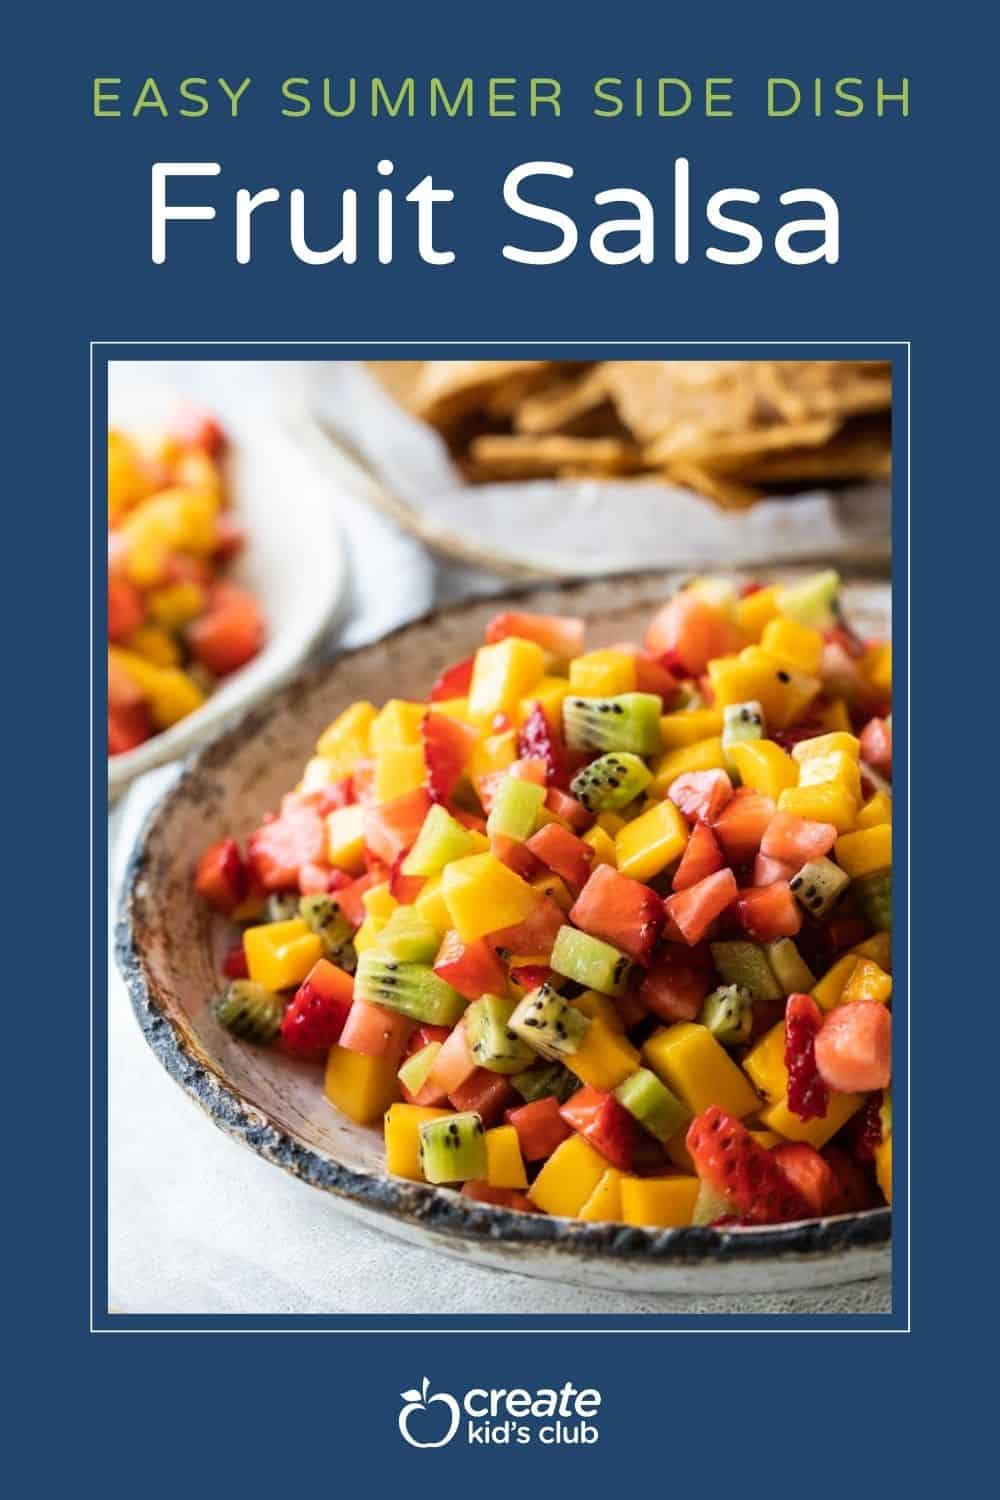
(540, 1127)
(234, 963)
(621, 911)
(128, 727)
(472, 969)
(376, 1031)
(693, 911)
(876, 745)
(453, 1065)
(807, 1171)
(651, 676)
(795, 840)
(568, 808)
(701, 858)
(390, 828)
(486, 1094)
(447, 746)
(230, 633)
(688, 632)
(767, 870)
(279, 849)
(405, 888)
(454, 681)
(742, 824)
(767, 912)
(605, 1123)
(515, 855)
(221, 876)
(562, 635)
(854, 1047)
(126, 610)
(528, 977)
(677, 983)
(319, 1009)
(535, 936)
(349, 897)
(727, 1157)
(538, 739)
(315, 878)
(807, 1096)
(564, 853)
(701, 795)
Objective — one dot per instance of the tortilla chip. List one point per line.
(730, 452)
(448, 389)
(557, 406)
(862, 452)
(517, 455)
(728, 493)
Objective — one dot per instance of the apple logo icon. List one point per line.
(421, 1401)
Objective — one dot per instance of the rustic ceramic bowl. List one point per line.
(169, 947)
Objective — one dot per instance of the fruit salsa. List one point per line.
(601, 934)
(176, 624)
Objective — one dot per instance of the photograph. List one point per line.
(500, 834)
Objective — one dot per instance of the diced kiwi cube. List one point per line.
(819, 885)
(629, 721)
(323, 916)
(440, 840)
(281, 906)
(541, 1080)
(813, 601)
(491, 1041)
(611, 781)
(652, 1104)
(746, 964)
(790, 968)
(249, 1011)
(590, 962)
(548, 1023)
(412, 989)
(742, 722)
(453, 1148)
(728, 1014)
(874, 894)
(710, 1205)
(515, 809)
(416, 1069)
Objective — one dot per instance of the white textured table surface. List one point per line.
(200, 1225)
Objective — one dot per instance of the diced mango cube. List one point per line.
(878, 948)
(596, 1005)
(829, 990)
(398, 770)
(698, 1069)
(867, 981)
(763, 766)
(361, 1087)
(346, 740)
(877, 666)
(502, 675)
(319, 772)
(176, 605)
(345, 838)
(602, 674)
(765, 1138)
(397, 724)
(603, 845)
(793, 645)
(755, 612)
(704, 755)
(754, 674)
(836, 767)
(504, 1162)
(482, 895)
(878, 809)
(658, 1202)
(834, 716)
(568, 1178)
(765, 1063)
(431, 905)
(156, 645)
(368, 933)
(651, 842)
(171, 693)
(690, 727)
(605, 1056)
(866, 851)
(402, 1138)
(378, 901)
(826, 744)
(494, 752)
(828, 803)
(550, 692)
(605, 1203)
(840, 1107)
(280, 954)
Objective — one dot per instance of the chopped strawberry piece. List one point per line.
(693, 911)
(727, 1157)
(537, 739)
(621, 911)
(230, 538)
(854, 1047)
(876, 745)
(846, 639)
(540, 1127)
(279, 848)
(866, 1134)
(319, 1009)
(807, 1095)
(701, 858)
(678, 982)
(561, 635)
(231, 631)
(221, 876)
(315, 878)
(447, 747)
(605, 1123)
(742, 824)
(807, 1171)
(472, 969)
(701, 795)
(390, 828)
(536, 935)
(234, 963)
(454, 681)
(126, 610)
(796, 840)
(768, 912)
(329, 799)
(562, 852)
(486, 1094)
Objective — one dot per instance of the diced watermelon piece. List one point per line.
(742, 823)
(540, 1127)
(473, 969)
(695, 909)
(767, 870)
(854, 1047)
(564, 853)
(876, 745)
(807, 1171)
(447, 746)
(795, 840)
(487, 1094)
(349, 897)
(568, 808)
(562, 635)
(221, 876)
(767, 912)
(279, 848)
(515, 855)
(234, 963)
(128, 727)
(619, 910)
(454, 681)
(677, 983)
(230, 632)
(482, 1192)
(605, 1123)
(536, 935)
(538, 739)
(701, 795)
(701, 858)
(651, 676)
(126, 610)
(376, 1031)
(688, 632)
(405, 888)
(390, 828)
(453, 1064)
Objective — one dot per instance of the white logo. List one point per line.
(419, 1401)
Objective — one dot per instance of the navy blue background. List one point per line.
(765, 1413)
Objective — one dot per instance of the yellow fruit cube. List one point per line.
(398, 770)
(826, 744)
(765, 1063)
(368, 934)
(836, 767)
(677, 1151)
(361, 1087)
(128, 479)
(867, 981)
(866, 851)
(765, 1138)
(651, 842)
(763, 766)
(504, 1162)
(689, 727)
(280, 954)
(605, 1203)
(176, 605)
(754, 674)
(829, 991)
(156, 645)
(877, 666)
(698, 1069)
(878, 949)
(828, 803)
(611, 822)
(705, 755)
(793, 645)
(453, 708)
(318, 772)
(754, 613)
(595, 1005)
(557, 890)
(835, 716)
(379, 902)
(171, 693)
(550, 692)
(345, 741)
(568, 1178)
(605, 1057)
(502, 675)
(603, 845)
(345, 838)
(883, 1167)
(602, 674)
(494, 752)
(658, 1202)
(840, 1107)
(431, 906)
(397, 724)
(878, 809)
(482, 895)
(402, 1138)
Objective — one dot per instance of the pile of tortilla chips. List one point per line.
(733, 430)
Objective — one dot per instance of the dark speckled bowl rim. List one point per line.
(439, 1210)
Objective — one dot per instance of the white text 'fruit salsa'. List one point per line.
(600, 934)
